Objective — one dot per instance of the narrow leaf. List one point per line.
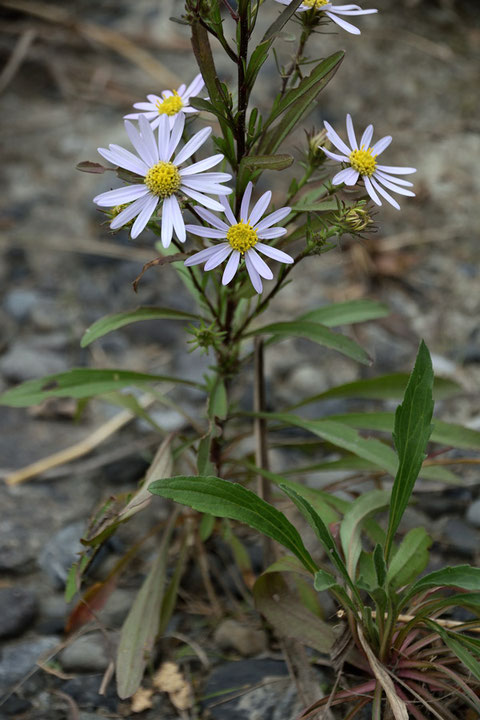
(345, 313)
(410, 559)
(350, 528)
(267, 162)
(225, 499)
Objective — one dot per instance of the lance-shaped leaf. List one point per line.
(351, 527)
(454, 642)
(141, 625)
(225, 499)
(113, 322)
(266, 162)
(346, 313)
(410, 559)
(465, 577)
(285, 611)
(81, 383)
(302, 104)
(412, 431)
(317, 333)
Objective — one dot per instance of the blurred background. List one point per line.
(69, 72)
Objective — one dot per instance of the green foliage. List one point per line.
(113, 322)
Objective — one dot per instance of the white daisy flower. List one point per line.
(333, 12)
(243, 239)
(362, 161)
(171, 103)
(163, 179)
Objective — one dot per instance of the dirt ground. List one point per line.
(71, 70)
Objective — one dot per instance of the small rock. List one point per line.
(17, 610)
(117, 607)
(232, 635)
(87, 653)
(20, 302)
(473, 514)
(462, 538)
(23, 362)
(18, 659)
(84, 691)
(61, 551)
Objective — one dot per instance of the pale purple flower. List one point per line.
(334, 12)
(362, 162)
(170, 103)
(163, 178)
(243, 239)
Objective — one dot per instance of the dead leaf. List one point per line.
(170, 679)
(142, 700)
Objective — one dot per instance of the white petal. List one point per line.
(343, 23)
(139, 144)
(203, 199)
(124, 159)
(148, 107)
(176, 134)
(274, 217)
(144, 216)
(201, 256)
(167, 225)
(195, 86)
(274, 253)
(345, 10)
(130, 212)
(192, 145)
(148, 137)
(198, 183)
(396, 170)
(154, 99)
(381, 145)
(231, 267)
(384, 193)
(163, 142)
(253, 274)
(371, 190)
(178, 222)
(245, 206)
(271, 233)
(120, 195)
(211, 218)
(223, 251)
(335, 138)
(206, 232)
(259, 208)
(392, 186)
(367, 137)
(351, 133)
(203, 165)
(349, 176)
(391, 178)
(228, 210)
(334, 156)
(260, 265)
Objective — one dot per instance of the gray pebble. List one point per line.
(17, 660)
(87, 653)
(473, 513)
(24, 362)
(17, 610)
(20, 302)
(61, 551)
(232, 635)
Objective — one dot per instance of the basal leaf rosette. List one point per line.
(243, 239)
(163, 177)
(362, 163)
(333, 12)
(169, 102)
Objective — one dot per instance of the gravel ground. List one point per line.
(414, 73)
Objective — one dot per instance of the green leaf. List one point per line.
(317, 333)
(225, 499)
(283, 609)
(385, 387)
(81, 383)
(454, 642)
(141, 625)
(346, 313)
(380, 566)
(350, 528)
(301, 102)
(465, 577)
(266, 162)
(218, 401)
(410, 559)
(412, 431)
(113, 322)
(324, 580)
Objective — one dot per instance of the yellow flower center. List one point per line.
(171, 105)
(315, 4)
(363, 161)
(163, 179)
(242, 237)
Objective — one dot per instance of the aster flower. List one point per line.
(161, 178)
(171, 103)
(334, 12)
(242, 239)
(362, 162)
